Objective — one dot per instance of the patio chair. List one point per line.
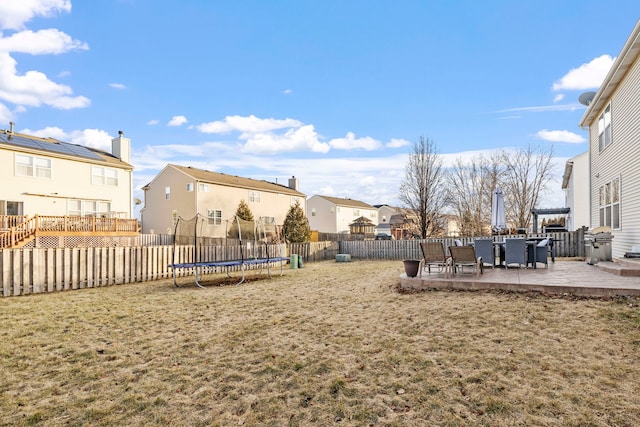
(465, 256)
(515, 252)
(540, 253)
(433, 254)
(484, 249)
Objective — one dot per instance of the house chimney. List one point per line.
(293, 183)
(121, 147)
(11, 127)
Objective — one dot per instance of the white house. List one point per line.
(575, 183)
(333, 214)
(613, 120)
(45, 176)
(184, 191)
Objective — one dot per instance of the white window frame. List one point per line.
(610, 196)
(203, 188)
(189, 187)
(104, 176)
(254, 196)
(37, 167)
(214, 217)
(604, 128)
(78, 207)
(167, 193)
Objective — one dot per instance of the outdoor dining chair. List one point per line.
(515, 252)
(484, 249)
(540, 253)
(465, 256)
(433, 255)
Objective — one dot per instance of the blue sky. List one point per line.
(333, 92)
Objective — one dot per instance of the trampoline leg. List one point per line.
(196, 278)
(175, 281)
(241, 269)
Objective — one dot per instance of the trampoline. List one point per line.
(247, 244)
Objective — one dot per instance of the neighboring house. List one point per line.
(385, 212)
(575, 183)
(613, 118)
(45, 176)
(184, 191)
(333, 214)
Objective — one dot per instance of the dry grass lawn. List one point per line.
(330, 344)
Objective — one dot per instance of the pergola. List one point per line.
(556, 211)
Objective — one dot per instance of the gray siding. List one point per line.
(621, 158)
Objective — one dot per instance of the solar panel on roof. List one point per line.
(55, 147)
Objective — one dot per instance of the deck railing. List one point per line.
(16, 229)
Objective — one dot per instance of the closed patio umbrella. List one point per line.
(498, 221)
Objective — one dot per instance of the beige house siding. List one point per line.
(70, 182)
(333, 215)
(159, 212)
(621, 158)
(577, 197)
(385, 212)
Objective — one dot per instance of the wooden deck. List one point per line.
(17, 230)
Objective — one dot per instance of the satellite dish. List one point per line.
(586, 98)
(137, 201)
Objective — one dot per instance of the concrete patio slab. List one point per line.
(561, 278)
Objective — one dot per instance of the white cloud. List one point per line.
(560, 136)
(251, 124)
(397, 143)
(287, 91)
(350, 142)
(296, 139)
(34, 88)
(41, 42)
(14, 14)
(586, 76)
(119, 86)
(5, 114)
(367, 181)
(559, 97)
(153, 122)
(177, 121)
(95, 138)
(544, 108)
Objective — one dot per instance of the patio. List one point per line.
(561, 278)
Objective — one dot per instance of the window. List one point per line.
(356, 212)
(203, 188)
(76, 207)
(214, 217)
(604, 128)
(104, 176)
(313, 212)
(174, 218)
(610, 204)
(38, 167)
(254, 196)
(167, 193)
(190, 186)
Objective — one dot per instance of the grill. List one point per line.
(597, 245)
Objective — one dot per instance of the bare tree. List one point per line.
(423, 187)
(527, 175)
(471, 187)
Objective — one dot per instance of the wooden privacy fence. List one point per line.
(40, 270)
(567, 244)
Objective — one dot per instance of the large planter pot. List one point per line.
(411, 267)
